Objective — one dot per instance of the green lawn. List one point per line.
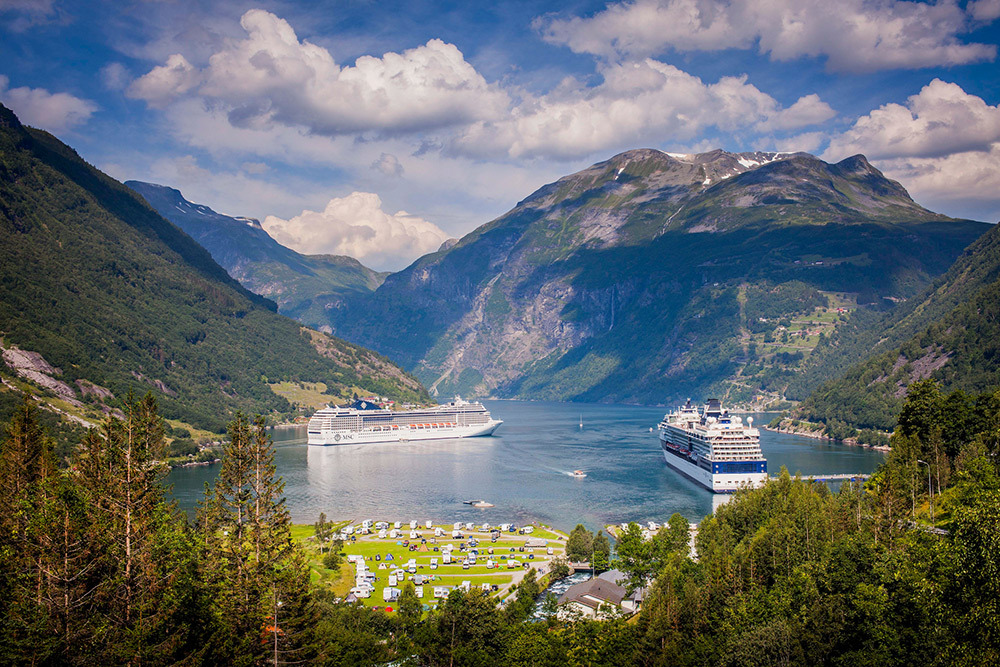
(341, 581)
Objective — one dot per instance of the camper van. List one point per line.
(390, 594)
(434, 563)
(446, 558)
(362, 591)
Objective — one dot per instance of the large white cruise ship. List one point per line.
(712, 448)
(366, 422)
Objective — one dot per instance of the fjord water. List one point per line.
(524, 470)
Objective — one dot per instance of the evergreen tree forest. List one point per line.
(98, 567)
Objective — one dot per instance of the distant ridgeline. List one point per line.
(102, 295)
(950, 333)
(651, 277)
(305, 287)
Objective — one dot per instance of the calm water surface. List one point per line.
(524, 470)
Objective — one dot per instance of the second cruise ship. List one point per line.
(366, 422)
(713, 448)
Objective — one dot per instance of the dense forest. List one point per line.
(950, 333)
(98, 567)
(116, 298)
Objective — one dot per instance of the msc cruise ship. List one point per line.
(713, 448)
(365, 422)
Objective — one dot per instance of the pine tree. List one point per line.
(145, 549)
(258, 579)
(26, 462)
(601, 549)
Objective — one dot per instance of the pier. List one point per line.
(835, 476)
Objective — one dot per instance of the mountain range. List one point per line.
(653, 276)
(102, 296)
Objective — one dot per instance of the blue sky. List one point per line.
(378, 129)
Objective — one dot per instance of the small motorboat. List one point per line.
(478, 503)
(578, 473)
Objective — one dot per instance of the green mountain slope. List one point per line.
(305, 287)
(650, 277)
(113, 296)
(950, 333)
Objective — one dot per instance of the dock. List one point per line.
(835, 476)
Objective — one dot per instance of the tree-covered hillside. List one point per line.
(951, 333)
(112, 295)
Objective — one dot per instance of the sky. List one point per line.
(380, 129)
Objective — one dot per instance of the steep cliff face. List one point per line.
(628, 281)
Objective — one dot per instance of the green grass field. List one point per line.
(370, 546)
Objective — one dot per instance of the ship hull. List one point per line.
(716, 482)
(403, 434)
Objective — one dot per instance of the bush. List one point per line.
(332, 560)
(183, 447)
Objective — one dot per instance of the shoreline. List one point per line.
(850, 442)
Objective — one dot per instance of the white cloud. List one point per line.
(807, 142)
(55, 112)
(388, 164)
(165, 83)
(115, 76)
(940, 120)
(807, 110)
(637, 102)
(965, 184)
(943, 145)
(254, 167)
(28, 13)
(854, 35)
(984, 10)
(271, 77)
(357, 226)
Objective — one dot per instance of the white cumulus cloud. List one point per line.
(55, 112)
(984, 10)
(357, 226)
(943, 145)
(940, 120)
(854, 35)
(165, 83)
(272, 77)
(637, 102)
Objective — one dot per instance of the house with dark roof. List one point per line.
(595, 598)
